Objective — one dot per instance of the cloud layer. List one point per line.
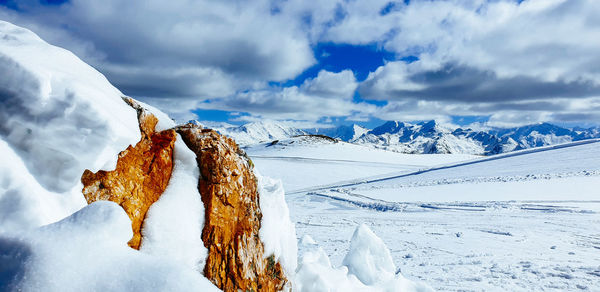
(534, 60)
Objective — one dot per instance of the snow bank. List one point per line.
(368, 258)
(88, 252)
(58, 117)
(277, 232)
(173, 225)
(368, 266)
(24, 203)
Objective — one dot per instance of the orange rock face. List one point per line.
(229, 191)
(141, 176)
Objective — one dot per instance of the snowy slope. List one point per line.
(561, 172)
(520, 221)
(309, 161)
(257, 132)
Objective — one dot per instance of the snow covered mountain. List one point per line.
(257, 132)
(431, 137)
(425, 137)
(344, 133)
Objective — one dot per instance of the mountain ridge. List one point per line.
(426, 137)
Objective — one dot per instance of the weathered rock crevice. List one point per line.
(141, 176)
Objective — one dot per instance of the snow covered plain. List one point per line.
(309, 161)
(525, 221)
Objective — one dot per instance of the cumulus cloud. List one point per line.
(333, 85)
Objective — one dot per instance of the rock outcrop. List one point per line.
(141, 176)
(228, 188)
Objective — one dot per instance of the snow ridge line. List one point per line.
(375, 179)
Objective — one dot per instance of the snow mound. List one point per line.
(58, 117)
(369, 259)
(368, 266)
(277, 232)
(88, 251)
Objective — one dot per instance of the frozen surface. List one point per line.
(494, 246)
(525, 221)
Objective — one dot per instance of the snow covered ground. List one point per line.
(309, 161)
(525, 221)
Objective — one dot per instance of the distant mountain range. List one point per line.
(425, 137)
(259, 132)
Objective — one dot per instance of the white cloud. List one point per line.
(530, 61)
(331, 85)
(327, 95)
(228, 43)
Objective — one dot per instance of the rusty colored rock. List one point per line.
(141, 176)
(229, 191)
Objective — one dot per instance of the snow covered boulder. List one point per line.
(67, 135)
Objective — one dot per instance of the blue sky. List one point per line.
(492, 63)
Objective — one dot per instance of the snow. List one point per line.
(306, 162)
(88, 251)
(368, 258)
(58, 111)
(520, 221)
(367, 267)
(59, 117)
(431, 137)
(257, 132)
(344, 133)
(173, 225)
(277, 232)
(24, 203)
